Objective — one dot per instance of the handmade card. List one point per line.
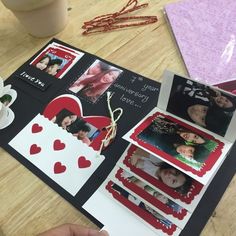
(170, 136)
(63, 115)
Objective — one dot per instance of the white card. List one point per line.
(213, 158)
(67, 161)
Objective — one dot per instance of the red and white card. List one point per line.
(58, 154)
(150, 196)
(186, 145)
(60, 57)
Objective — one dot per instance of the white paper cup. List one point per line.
(41, 18)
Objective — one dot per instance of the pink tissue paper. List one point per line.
(205, 31)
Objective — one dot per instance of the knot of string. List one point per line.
(111, 129)
(113, 21)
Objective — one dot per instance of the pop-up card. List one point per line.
(192, 127)
(64, 113)
(175, 152)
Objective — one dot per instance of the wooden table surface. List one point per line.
(27, 205)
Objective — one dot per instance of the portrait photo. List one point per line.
(205, 106)
(95, 81)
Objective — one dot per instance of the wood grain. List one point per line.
(27, 205)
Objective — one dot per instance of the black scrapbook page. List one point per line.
(64, 113)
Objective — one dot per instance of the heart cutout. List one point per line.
(34, 149)
(59, 168)
(58, 145)
(73, 104)
(83, 162)
(36, 128)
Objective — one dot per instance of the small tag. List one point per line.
(36, 82)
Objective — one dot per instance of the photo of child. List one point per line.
(77, 126)
(202, 105)
(95, 81)
(183, 144)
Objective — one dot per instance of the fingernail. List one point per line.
(103, 233)
(97, 233)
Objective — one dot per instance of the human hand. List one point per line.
(73, 230)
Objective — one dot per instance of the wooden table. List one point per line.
(27, 205)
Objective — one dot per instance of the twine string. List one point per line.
(111, 129)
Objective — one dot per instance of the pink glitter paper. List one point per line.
(205, 31)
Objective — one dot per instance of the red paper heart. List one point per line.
(59, 168)
(34, 149)
(58, 145)
(73, 104)
(36, 128)
(83, 162)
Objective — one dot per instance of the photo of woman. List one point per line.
(201, 104)
(161, 171)
(95, 81)
(43, 62)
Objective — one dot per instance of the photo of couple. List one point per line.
(51, 64)
(95, 81)
(77, 126)
(183, 144)
(207, 107)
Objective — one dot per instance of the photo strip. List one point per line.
(56, 60)
(142, 210)
(150, 196)
(95, 81)
(188, 148)
(160, 175)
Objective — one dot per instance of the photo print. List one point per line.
(187, 147)
(203, 105)
(95, 81)
(138, 207)
(150, 194)
(56, 60)
(161, 175)
(77, 126)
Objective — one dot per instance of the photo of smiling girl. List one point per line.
(95, 81)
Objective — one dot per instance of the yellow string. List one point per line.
(111, 133)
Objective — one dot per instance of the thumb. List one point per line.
(97, 233)
(103, 233)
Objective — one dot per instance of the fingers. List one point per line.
(73, 230)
